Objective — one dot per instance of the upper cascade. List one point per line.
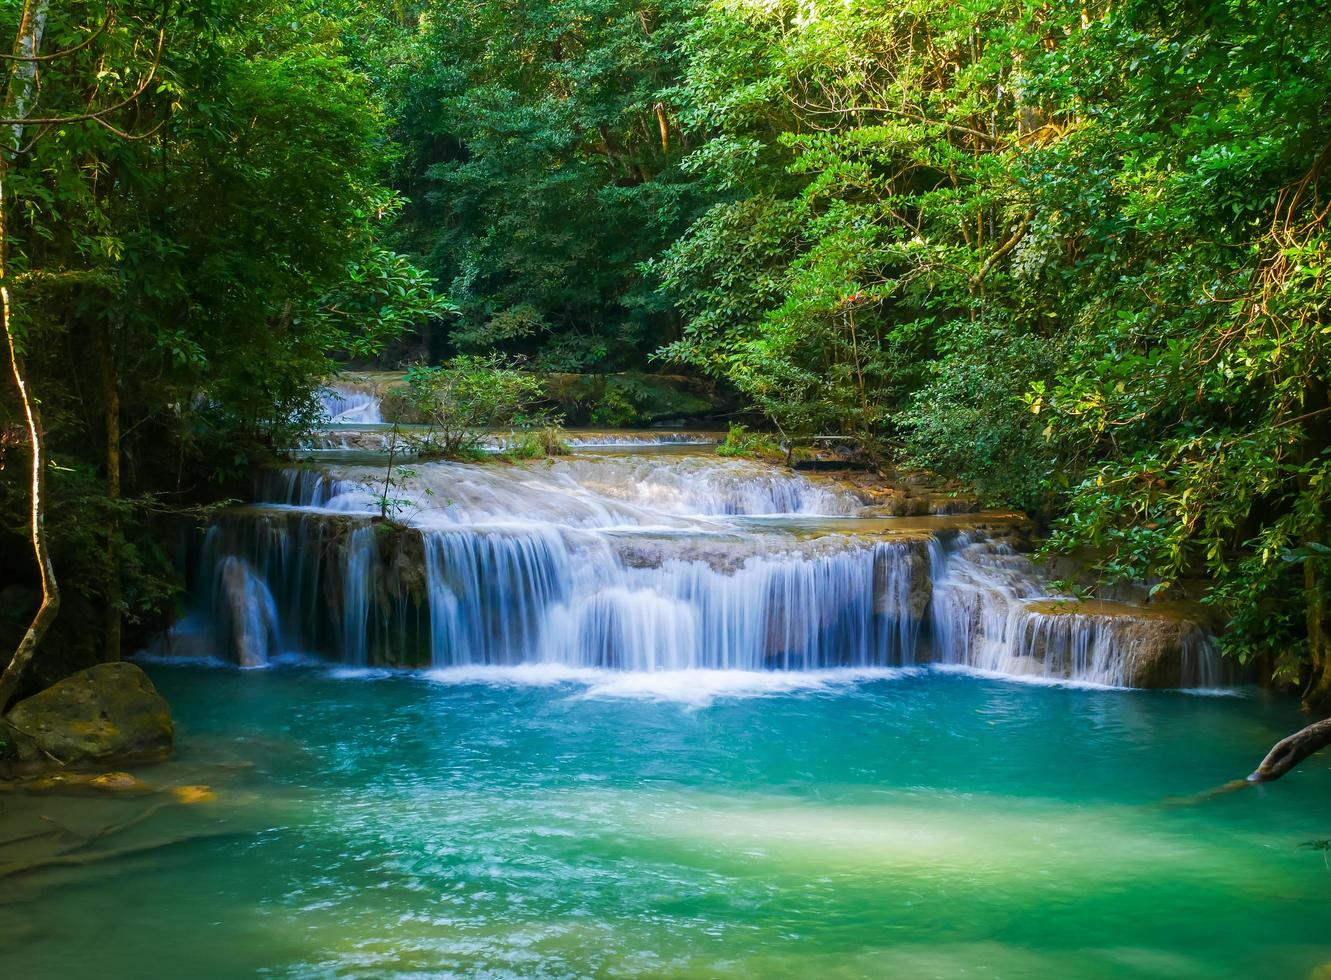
(377, 436)
(651, 560)
(635, 490)
(347, 404)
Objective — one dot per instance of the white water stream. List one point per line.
(661, 559)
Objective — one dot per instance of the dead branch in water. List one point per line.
(1284, 756)
(1290, 751)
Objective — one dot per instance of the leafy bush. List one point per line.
(616, 407)
(970, 420)
(740, 441)
(468, 395)
(538, 444)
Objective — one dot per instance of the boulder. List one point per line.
(110, 713)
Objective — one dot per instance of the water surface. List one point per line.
(550, 822)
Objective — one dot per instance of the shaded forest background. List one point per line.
(1075, 255)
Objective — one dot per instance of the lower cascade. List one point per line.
(647, 559)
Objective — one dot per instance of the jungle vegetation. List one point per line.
(1074, 254)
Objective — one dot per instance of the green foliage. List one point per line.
(1076, 254)
(470, 394)
(201, 272)
(542, 147)
(969, 417)
(630, 398)
(615, 407)
(539, 443)
(740, 441)
(397, 480)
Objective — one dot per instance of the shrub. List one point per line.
(740, 441)
(459, 400)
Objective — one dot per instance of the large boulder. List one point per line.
(110, 713)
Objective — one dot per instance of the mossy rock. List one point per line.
(1156, 637)
(110, 713)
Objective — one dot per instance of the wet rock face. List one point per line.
(110, 713)
(901, 582)
(905, 493)
(1157, 646)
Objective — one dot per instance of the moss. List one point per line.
(110, 712)
(538, 444)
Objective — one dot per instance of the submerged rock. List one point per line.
(85, 783)
(110, 713)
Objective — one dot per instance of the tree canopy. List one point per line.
(1073, 254)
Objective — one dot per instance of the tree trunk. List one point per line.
(23, 82)
(112, 620)
(50, 606)
(21, 95)
(1317, 692)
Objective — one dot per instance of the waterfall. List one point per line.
(356, 584)
(783, 611)
(249, 612)
(505, 597)
(991, 611)
(489, 593)
(344, 404)
(641, 562)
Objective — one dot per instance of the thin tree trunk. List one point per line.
(1317, 693)
(112, 620)
(23, 82)
(21, 92)
(664, 125)
(865, 428)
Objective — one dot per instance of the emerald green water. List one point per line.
(908, 825)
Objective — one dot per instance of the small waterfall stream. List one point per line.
(345, 404)
(660, 558)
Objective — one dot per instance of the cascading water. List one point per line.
(361, 549)
(990, 612)
(251, 612)
(647, 562)
(343, 404)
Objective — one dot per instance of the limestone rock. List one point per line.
(107, 713)
(1162, 645)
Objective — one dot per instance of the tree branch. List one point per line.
(1290, 751)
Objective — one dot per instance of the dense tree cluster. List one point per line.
(192, 199)
(1075, 254)
(542, 155)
